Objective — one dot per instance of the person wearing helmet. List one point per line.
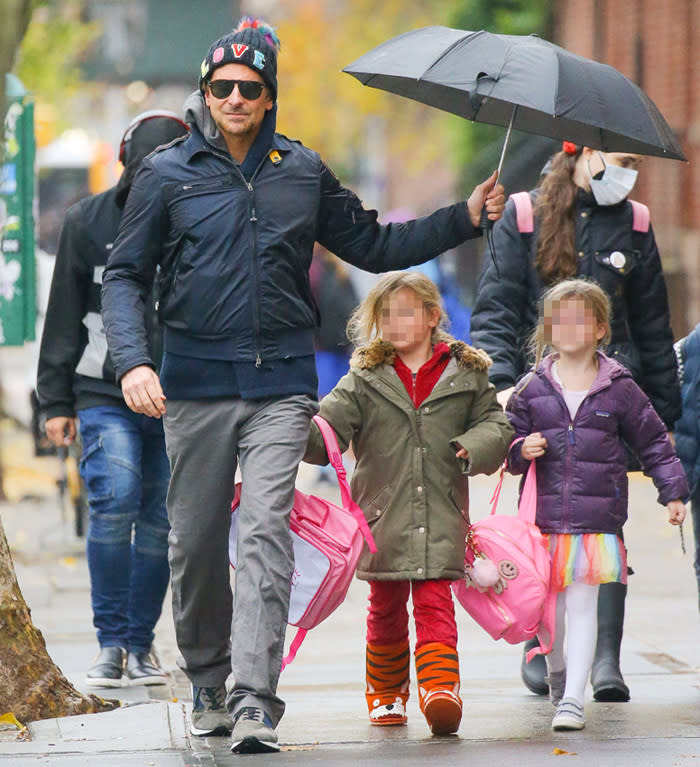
(124, 464)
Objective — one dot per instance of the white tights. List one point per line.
(577, 617)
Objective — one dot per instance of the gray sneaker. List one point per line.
(569, 716)
(209, 714)
(253, 732)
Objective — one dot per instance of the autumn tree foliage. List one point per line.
(330, 110)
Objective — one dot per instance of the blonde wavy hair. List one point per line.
(364, 324)
(592, 296)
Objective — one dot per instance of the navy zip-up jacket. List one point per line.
(235, 254)
(687, 428)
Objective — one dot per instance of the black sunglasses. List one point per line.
(249, 89)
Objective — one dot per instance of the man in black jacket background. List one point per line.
(124, 464)
(231, 216)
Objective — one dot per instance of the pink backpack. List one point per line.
(506, 573)
(327, 540)
(526, 221)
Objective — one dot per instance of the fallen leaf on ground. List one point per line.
(10, 720)
(562, 752)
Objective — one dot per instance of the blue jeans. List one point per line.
(125, 470)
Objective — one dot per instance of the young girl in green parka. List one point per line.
(421, 416)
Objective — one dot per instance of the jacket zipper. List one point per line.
(256, 276)
(254, 260)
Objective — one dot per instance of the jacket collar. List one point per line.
(205, 136)
(608, 369)
(380, 352)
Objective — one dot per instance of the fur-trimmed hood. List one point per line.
(380, 352)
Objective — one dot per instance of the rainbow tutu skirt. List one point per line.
(588, 558)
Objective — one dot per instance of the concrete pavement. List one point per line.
(326, 721)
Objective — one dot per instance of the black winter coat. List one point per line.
(506, 309)
(75, 369)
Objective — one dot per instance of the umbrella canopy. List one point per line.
(523, 82)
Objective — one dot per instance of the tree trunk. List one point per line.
(31, 685)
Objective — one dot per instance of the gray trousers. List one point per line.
(233, 639)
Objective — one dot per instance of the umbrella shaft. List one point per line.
(505, 143)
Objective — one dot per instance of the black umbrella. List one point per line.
(523, 82)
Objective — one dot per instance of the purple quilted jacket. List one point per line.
(582, 477)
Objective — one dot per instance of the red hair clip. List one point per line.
(569, 147)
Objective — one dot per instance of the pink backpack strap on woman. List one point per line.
(526, 220)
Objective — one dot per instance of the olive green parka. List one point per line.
(407, 479)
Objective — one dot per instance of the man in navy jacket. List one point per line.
(231, 215)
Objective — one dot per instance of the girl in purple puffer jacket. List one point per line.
(574, 414)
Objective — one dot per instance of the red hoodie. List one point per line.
(420, 385)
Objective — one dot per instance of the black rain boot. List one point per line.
(534, 672)
(606, 677)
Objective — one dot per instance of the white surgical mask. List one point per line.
(615, 184)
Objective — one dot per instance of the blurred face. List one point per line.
(237, 117)
(574, 329)
(405, 322)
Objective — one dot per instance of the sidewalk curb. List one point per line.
(152, 726)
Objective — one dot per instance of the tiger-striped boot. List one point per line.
(437, 669)
(387, 682)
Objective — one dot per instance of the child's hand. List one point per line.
(462, 453)
(533, 447)
(676, 512)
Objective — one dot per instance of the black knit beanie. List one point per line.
(253, 43)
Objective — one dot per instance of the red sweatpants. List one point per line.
(433, 612)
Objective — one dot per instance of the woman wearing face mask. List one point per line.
(583, 227)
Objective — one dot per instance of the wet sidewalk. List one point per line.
(326, 721)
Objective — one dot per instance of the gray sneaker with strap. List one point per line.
(569, 716)
(209, 714)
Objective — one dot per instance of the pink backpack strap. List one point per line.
(497, 490)
(299, 637)
(523, 212)
(640, 217)
(336, 460)
(349, 505)
(527, 508)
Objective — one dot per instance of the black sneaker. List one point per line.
(107, 669)
(253, 732)
(142, 668)
(209, 714)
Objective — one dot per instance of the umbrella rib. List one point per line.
(446, 52)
